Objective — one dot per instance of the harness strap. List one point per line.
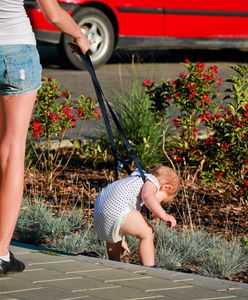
(102, 100)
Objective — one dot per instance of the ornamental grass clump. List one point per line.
(199, 252)
(38, 224)
(224, 260)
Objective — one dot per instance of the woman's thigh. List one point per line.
(15, 115)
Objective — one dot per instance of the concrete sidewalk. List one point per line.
(51, 276)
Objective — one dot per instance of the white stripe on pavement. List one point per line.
(217, 298)
(171, 288)
(57, 279)
(97, 289)
(33, 270)
(24, 290)
(92, 270)
(185, 279)
(51, 262)
(81, 297)
(128, 279)
(144, 298)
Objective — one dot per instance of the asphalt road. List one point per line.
(125, 66)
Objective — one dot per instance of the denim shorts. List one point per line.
(20, 69)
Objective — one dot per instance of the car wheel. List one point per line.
(99, 30)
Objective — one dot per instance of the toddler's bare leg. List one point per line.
(114, 251)
(137, 226)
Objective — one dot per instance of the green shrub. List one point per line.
(140, 125)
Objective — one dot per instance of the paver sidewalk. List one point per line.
(62, 277)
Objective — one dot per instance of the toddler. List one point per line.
(117, 210)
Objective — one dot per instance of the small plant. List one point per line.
(141, 126)
(37, 223)
(54, 114)
(224, 260)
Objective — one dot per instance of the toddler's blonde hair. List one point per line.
(167, 175)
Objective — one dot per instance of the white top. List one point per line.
(15, 27)
(115, 201)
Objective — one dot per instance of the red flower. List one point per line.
(195, 130)
(219, 174)
(176, 122)
(187, 62)
(65, 94)
(206, 98)
(218, 81)
(224, 146)
(147, 82)
(214, 69)
(178, 158)
(37, 128)
(97, 113)
(66, 110)
(192, 95)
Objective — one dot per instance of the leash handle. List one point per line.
(101, 99)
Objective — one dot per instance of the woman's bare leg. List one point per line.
(137, 226)
(15, 115)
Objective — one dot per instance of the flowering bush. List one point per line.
(192, 94)
(223, 153)
(227, 143)
(56, 111)
(54, 114)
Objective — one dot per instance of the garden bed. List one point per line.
(197, 207)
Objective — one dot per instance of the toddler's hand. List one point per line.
(171, 220)
(124, 246)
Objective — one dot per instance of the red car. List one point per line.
(111, 24)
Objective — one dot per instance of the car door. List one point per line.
(206, 18)
(141, 18)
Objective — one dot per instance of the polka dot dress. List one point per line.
(114, 203)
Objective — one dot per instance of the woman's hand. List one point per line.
(80, 45)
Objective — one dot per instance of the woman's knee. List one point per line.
(11, 151)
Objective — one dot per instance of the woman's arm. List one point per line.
(148, 195)
(59, 18)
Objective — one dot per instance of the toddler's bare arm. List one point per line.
(148, 195)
